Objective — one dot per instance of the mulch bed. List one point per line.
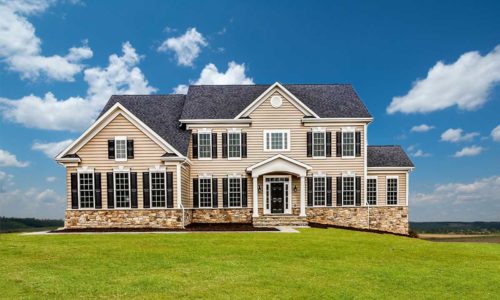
(324, 226)
(206, 227)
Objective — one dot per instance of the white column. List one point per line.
(302, 196)
(255, 198)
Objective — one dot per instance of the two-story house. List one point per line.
(262, 154)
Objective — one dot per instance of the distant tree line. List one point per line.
(456, 227)
(20, 224)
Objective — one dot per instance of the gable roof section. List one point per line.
(228, 101)
(388, 156)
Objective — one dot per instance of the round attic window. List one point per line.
(276, 101)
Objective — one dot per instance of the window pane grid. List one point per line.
(319, 144)
(205, 192)
(392, 191)
(234, 192)
(319, 184)
(347, 143)
(277, 140)
(204, 145)
(371, 191)
(122, 190)
(121, 149)
(86, 190)
(348, 190)
(234, 145)
(158, 189)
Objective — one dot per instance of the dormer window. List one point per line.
(121, 148)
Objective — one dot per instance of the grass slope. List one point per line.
(317, 263)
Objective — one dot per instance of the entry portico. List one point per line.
(276, 171)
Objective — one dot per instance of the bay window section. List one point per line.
(234, 191)
(392, 190)
(205, 192)
(204, 145)
(319, 191)
(348, 190)
(86, 191)
(158, 195)
(122, 189)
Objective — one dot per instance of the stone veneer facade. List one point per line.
(390, 219)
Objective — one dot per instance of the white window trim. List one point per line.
(318, 175)
(209, 177)
(352, 175)
(121, 138)
(209, 132)
(321, 130)
(233, 131)
(387, 190)
(159, 170)
(288, 140)
(265, 198)
(78, 172)
(376, 190)
(229, 194)
(121, 169)
(347, 130)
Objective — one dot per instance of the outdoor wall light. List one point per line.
(295, 188)
(259, 188)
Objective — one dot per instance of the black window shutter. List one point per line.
(328, 144)
(214, 145)
(243, 144)
(195, 144)
(214, 193)
(358, 143)
(224, 193)
(328, 191)
(111, 194)
(244, 196)
(74, 190)
(170, 190)
(309, 144)
(339, 191)
(145, 189)
(98, 191)
(224, 145)
(196, 200)
(130, 149)
(358, 190)
(133, 190)
(338, 143)
(111, 149)
(309, 191)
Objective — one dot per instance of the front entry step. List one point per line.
(277, 220)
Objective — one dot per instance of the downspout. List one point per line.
(366, 171)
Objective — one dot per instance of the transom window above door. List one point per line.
(276, 140)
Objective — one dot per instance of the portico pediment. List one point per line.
(279, 164)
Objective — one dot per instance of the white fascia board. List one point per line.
(391, 169)
(337, 120)
(216, 121)
(295, 101)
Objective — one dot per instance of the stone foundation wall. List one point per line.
(391, 218)
(243, 215)
(130, 218)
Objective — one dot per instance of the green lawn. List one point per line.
(317, 263)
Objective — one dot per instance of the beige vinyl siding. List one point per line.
(286, 117)
(147, 154)
(382, 185)
(186, 186)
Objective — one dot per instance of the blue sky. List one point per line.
(439, 58)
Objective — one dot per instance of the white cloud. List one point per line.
(235, 74)
(52, 149)
(469, 151)
(495, 134)
(457, 135)
(121, 76)
(10, 160)
(421, 128)
(5, 181)
(38, 203)
(51, 179)
(465, 83)
(421, 153)
(21, 50)
(187, 47)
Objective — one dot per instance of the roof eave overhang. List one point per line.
(391, 168)
(68, 160)
(337, 120)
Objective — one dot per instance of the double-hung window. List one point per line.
(205, 192)
(204, 145)
(234, 145)
(86, 191)
(158, 194)
(371, 190)
(348, 190)
(121, 148)
(122, 189)
(319, 143)
(276, 140)
(319, 190)
(234, 191)
(392, 190)
(348, 147)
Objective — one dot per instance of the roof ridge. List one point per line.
(269, 84)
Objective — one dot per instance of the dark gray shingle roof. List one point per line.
(227, 101)
(388, 156)
(160, 112)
